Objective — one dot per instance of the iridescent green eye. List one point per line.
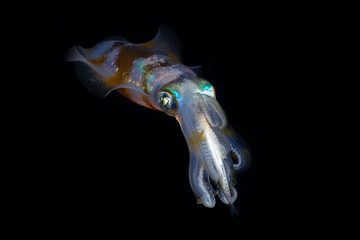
(209, 90)
(206, 88)
(168, 103)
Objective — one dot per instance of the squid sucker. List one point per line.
(151, 74)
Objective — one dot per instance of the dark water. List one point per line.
(78, 166)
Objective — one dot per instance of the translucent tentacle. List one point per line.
(240, 152)
(200, 183)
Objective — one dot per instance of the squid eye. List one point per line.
(168, 103)
(206, 88)
(209, 90)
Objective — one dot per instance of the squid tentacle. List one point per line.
(200, 183)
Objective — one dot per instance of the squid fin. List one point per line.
(197, 69)
(165, 42)
(92, 68)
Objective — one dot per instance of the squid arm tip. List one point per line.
(233, 212)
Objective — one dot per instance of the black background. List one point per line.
(80, 167)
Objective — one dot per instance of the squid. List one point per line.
(152, 75)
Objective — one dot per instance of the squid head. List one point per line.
(216, 152)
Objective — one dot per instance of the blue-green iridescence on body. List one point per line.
(157, 69)
(152, 75)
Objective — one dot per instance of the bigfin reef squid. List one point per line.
(152, 75)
